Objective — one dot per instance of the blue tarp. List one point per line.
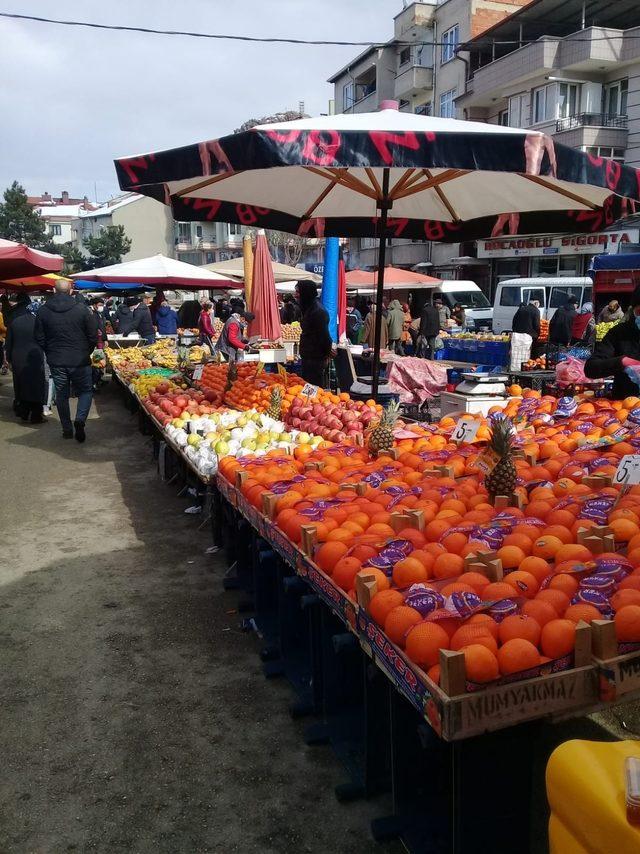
(118, 287)
(615, 262)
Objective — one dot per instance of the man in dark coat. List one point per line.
(526, 320)
(315, 340)
(429, 330)
(68, 334)
(27, 364)
(142, 321)
(618, 355)
(122, 319)
(188, 314)
(561, 323)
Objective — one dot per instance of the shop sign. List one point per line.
(564, 244)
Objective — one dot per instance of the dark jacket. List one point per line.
(289, 312)
(560, 325)
(101, 325)
(622, 340)
(315, 340)
(66, 331)
(188, 314)
(26, 358)
(122, 320)
(143, 324)
(166, 320)
(429, 321)
(526, 320)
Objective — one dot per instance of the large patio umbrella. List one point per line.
(394, 278)
(160, 271)
(33, 283)
(18, 260)
(387, 174)
(264, 300)
(281, 272)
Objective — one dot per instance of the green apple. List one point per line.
(304, 438)
(193, 439)
(221, 449)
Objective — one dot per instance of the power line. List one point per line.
(282, 39)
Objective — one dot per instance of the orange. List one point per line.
(631, 582)
(409, 571)
(382, 582)
(381, 530)
(538, 509)
(384, 602)
(536, 566)
(511, 556)
(530, 531)
(433, 673)
(542, 612)
(448, 565)
(456, 587)
(556, 598)
(627, 623)
(454, 543)
(559, 519)
(363, 552)
(575, 613)
(399, 621)
(476, 579)
(567, 583)
(624, 530)
(625, 597)
(481, 663)
(415, 537)
(424, 643)
(497, 590)
(517, 654)
(562, 532)
(519, 626)
(558, 638)
(522, 541)
(524, 583)
(546, 547)
(572, 551)
(345, 571)
(473, 633)
(340, 535)
(353, 527)
(486, 621)
(434, 530)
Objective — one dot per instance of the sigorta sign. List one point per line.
(562, 245)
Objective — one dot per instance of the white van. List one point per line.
(477, 308)
(551, 293)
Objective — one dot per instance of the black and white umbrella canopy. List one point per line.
(439, 179)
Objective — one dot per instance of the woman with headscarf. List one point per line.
(27, 364)
(583, 325)
(315, 340)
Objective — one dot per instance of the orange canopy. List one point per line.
(394, 277)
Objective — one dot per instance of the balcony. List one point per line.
(412, 80)
(593, 120)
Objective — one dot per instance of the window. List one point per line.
(510, 296)
(615, 98)
(531, 294)
(403, 104)
(447, 105)
(235, 228)
(508, 268)
(424, 109)
(450, 41)
(569, 265)
(405, 55)
(467, 299)
(544, 266)
(559, 296)
(209, 258)
(348, 95)
(55, 230)
(184, 232)
(568, 100)
(199, 232)
(517, 106)
(616, 154)
(503, 118)
(543, 104)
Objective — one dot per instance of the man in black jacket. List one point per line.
(618, 354)
(561, 323)
(68, 334)
(429, 330)
(526, 320)
(143, 322)
(315, 340)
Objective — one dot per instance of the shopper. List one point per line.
(188, 314)
(142, 322)
(526, 320)
(354, 322)
(166, 319)
(315, 340)
(233, 340)
(583, 326)
(561, 323)
(443, 312)
(429, 329)
(27, 364)
(289, 312)
(369, 330)
(222, 310)
(205, 324)
(122, 320)
(611, 313)
(156, 302)
(458, 314)
(395, 321)
(67, 332)
(618, 354)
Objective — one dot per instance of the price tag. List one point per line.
(197, 372)
(310, 390)
(465, 430)
(628, 471)
(487, 461)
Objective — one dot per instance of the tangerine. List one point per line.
(481, 663)
(625, 597)
(519, 626)
(524, 583)
(575, 613)
(573, 551)
(627, 623)
(345, 571)
(409, 571)
(398, 622)
(542, 612)
(536, 566)
(556, 598)
(384, 602)
(497, 590)
(567, 583)
(546, 547)
(517, 655)
(486, 621)
(424, 642)
(433, 673)
(476, 579)
(448, 565)
(511, 556)
(473, 633)
(558, 638)
(624, 530)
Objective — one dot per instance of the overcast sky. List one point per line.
(73, 99)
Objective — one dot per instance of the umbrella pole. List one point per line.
(384, 204)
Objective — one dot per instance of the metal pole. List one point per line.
(383, 204)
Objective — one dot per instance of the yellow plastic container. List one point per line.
(586, 792)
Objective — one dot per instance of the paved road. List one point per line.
(134, 717)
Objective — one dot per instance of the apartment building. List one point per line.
(572, 70)
(422, 68)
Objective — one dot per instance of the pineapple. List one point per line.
(275, 404)
(502, 480)
(381, 437)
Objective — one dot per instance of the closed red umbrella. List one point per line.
(264, 300)
(18, 260)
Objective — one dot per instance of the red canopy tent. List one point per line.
(18, 260)
(394, 277)
(264, 300)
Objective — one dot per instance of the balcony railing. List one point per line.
(600, 120)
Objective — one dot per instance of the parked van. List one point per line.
(477, 308)
(551, 293)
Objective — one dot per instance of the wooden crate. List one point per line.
(618, 671)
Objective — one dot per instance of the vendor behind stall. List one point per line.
(618, 354)
(233, 341)
(315, 340)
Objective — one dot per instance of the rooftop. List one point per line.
(107, 208)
